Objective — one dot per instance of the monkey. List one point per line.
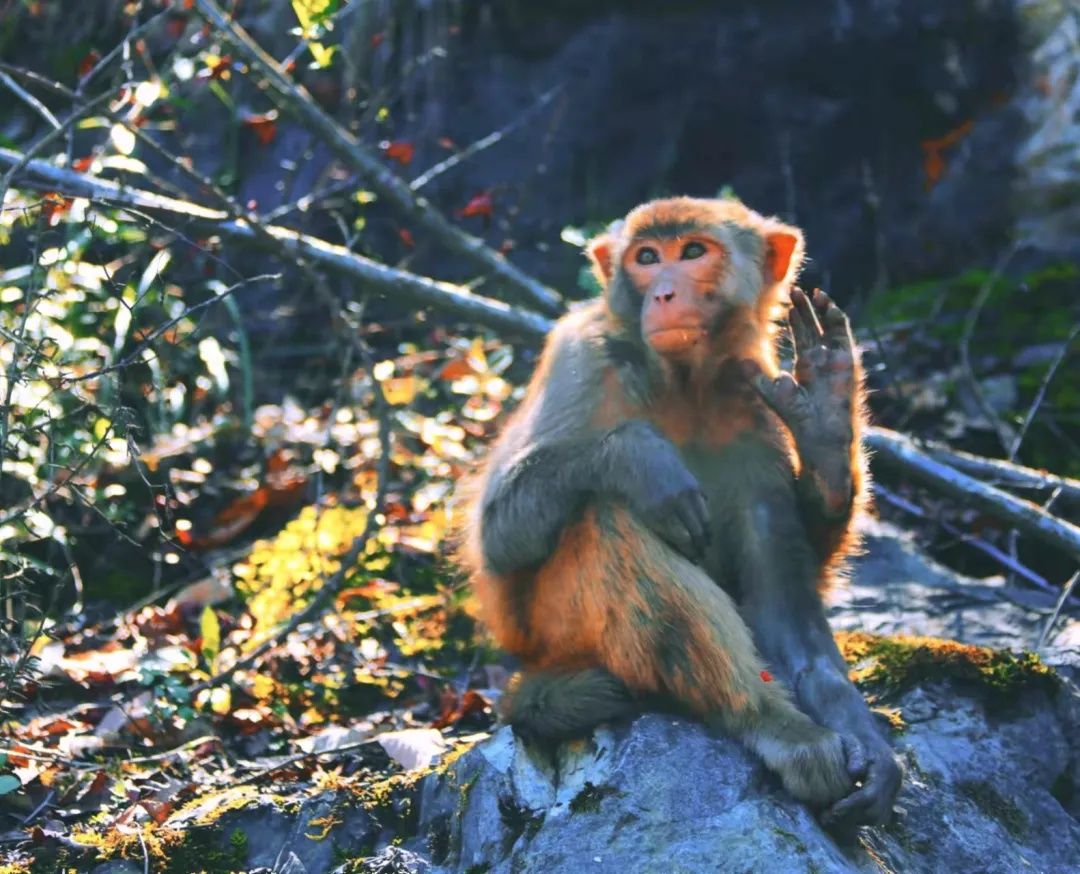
(659, 518)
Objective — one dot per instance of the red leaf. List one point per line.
(263, 126)
(377, 39)
(400, 150)
(766, 676)
(176, 27)
(88, 62)
(406, 237)
(82, 164)
(481, 204)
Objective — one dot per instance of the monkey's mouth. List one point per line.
(671, 341)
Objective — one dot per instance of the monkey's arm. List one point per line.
(782, 606)
(548, 464)
(820, 405)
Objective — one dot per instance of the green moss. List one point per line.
(995, 805)
(478, 868)
(518, 820)
(897, 663)
(589, 798)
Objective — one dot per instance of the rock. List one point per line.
(896, 589)
(984, 793)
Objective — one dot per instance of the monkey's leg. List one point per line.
(564, 704)
(615, 595)
(778, 576)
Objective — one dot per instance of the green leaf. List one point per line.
(210, 630)
(9, 783)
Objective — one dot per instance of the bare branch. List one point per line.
(900, 451)
(1004, 473)
(408, 289)
(384, 182)
(29, 99)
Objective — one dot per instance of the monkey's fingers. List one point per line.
(835, 325)
(805, 329)
(694, 515)
(857, 760)
(872, 803)
(767, 388)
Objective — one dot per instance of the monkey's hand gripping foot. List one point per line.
(816, 403)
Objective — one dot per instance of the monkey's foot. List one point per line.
(811, 761)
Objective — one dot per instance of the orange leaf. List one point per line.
(400, 150)
(82, 164)
(471, 702)
(766, 677)
(481, 204)
(933, 149)
(455, 369)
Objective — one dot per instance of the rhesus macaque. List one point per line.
(660, 515)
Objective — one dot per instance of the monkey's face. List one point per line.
(678, 281)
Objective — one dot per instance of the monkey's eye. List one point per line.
(692, 250)
(647, 255)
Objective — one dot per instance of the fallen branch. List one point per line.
(400, 285)
(384, 182)
(895, 449)
(1004, 473)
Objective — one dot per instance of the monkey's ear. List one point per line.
(600, 254)
(783, 253)
(601, 251)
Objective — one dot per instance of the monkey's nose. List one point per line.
(664, 293)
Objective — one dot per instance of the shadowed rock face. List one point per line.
(660, 795)
(887, 130)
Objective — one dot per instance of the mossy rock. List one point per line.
(897, 663)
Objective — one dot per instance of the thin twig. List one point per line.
(1001, 429)
(486, 142)
(1066, 590)
(27, 157)
(1059, 359)
(29, 99)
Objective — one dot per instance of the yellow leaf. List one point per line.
(323, 55)
(221, 699)
(210, 631)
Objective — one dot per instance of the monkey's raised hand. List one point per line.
(644, 469)
(816, 403)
